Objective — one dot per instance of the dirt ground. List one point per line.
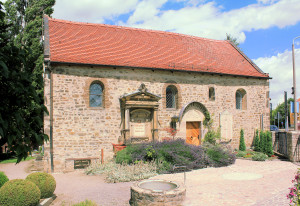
(210, 186)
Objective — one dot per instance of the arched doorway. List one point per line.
(192, 118)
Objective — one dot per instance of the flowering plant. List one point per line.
(171, 131)
(294, 195)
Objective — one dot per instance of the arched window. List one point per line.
(171, 97)
(211, 94)
(96, 95)
(240, 99)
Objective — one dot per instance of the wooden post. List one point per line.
(102, 156)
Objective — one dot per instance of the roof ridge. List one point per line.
(134, 28)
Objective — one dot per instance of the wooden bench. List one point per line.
(81, 163)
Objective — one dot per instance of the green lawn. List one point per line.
(14, 160)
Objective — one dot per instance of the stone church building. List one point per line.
(108, 85)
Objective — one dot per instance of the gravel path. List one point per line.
(244, 183)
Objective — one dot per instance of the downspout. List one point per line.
(46, 43)
(51, 119)
(50, 76)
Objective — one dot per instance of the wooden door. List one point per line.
(193, 133)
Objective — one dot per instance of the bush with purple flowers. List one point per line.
(175, 152)
(294, 195)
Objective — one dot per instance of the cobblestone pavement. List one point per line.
(208, 187)
(258, 184)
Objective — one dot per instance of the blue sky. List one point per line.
(264, 28)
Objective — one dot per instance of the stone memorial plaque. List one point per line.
(226, 126)
(138, 130)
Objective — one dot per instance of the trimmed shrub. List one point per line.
(3, 179)
(242, 145)
(19, 192)
(256, 142)
(262, 141)
(269, 144)
(259, 157)
(45, 182)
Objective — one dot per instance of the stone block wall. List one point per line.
(81, 131)
(293, 146)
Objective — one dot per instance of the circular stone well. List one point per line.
(157, 192)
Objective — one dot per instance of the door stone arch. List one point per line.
(192, 119)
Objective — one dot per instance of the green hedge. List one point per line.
(45, 182)
(3, 179)
(19, 192)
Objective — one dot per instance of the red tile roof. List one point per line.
(100, 44)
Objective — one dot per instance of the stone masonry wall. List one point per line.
(81, 131)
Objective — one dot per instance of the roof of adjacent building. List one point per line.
(100, 44)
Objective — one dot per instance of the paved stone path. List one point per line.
(209, 187)
(246, 183)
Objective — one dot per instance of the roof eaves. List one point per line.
(161, 69)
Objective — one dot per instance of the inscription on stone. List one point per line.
(139, 129)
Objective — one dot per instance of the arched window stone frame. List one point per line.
(86, 96)
(241, 99)
(96, 96)
(211, 94)
(171, 97)
(178, 96)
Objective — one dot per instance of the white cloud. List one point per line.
(197, 17)
(209, 20)
(280, 68)
(92, 11)
(145, 10)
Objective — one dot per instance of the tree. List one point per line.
(242, 145)
(232, 39)
(269, 144)
(256, 142)
(262, 141)
(21, 111)
(26, 17)
(280, 109)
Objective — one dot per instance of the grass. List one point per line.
(14, 160)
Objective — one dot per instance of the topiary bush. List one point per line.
(45, 182)
(242, 145)
(262, 141)
(19, 192)
(256, 142)
(269, 144)
(3, 179)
